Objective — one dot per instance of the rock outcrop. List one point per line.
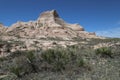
(52, 19)
(49, 24)
(2, 30)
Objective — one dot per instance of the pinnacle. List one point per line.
(48, 14)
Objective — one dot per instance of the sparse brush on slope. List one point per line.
(104, 51)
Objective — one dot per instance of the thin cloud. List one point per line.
(110, 33)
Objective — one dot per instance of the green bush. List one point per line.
(104, 51)
(2, 59)
(16, 70)
(56, 57)
(20, 66)
(80, 62)
(48, 55)
(30, 55)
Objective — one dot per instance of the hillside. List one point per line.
(98, 59)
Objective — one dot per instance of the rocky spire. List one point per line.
(48, 18)
(52, 19)
(49, 14)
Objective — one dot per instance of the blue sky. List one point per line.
(94, 15)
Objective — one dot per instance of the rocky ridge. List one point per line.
(49, 24)
(48, 31)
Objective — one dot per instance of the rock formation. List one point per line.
(52, 19)
(49, 28)
(2, 30)
(49, 24)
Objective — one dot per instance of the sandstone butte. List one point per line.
(48, 31)
(49, 24)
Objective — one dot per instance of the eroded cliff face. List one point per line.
(52, 19)
(49, 24)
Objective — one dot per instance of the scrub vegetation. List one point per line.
(75, 62)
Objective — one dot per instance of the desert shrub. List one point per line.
(20, 66)
(47, 55)
(3, 42)
(30, 55)
(16, 70)
(60, 58)
(80, 62)
(9, 77)
(54, 38)
(104, 51)
(16, 54)
(56, 57)
(73, 46)
(30, 58)
(2, 59)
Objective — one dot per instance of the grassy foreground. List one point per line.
(76, 62)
